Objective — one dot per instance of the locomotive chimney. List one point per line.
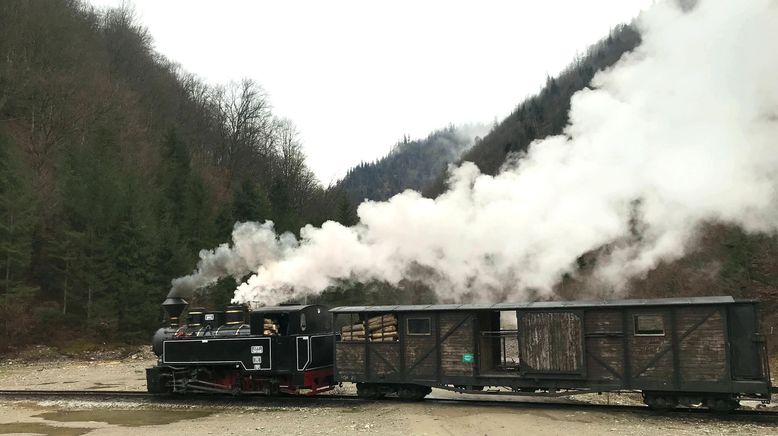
(173, 307)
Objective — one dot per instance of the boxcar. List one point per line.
(690, 351)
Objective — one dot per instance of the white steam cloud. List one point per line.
(682, 131)
(253, 245)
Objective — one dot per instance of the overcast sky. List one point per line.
(355, 76)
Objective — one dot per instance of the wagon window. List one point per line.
(649, 325)
(419, 326)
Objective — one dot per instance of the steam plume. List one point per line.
(253, 245)
(682, 131)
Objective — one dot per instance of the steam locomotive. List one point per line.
(283, 349)
(705, 352)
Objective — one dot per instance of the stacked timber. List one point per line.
(383, 328)
(270, 327)
(353, 333)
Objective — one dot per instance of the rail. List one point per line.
(206, 400)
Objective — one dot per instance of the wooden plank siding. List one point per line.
(551, 342)
(604, 345)
(691, 352)
(456, 333)
(681, 348)
(350, 360)
(420, 356)
(703, 352)
(385, 360)
(651, 356)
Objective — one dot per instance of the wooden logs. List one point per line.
(379, 322)
(353, 333)
(394, 339)
(383, 328)
(270, 327)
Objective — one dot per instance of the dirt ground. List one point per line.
(305, 416)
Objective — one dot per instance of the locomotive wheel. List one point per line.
(158, 381)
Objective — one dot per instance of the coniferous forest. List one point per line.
(117, 167)
(411, 164)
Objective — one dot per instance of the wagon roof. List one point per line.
(285, 308)
(542, 305)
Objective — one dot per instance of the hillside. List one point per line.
(117, 167)
(543, 114)
(723, 261)
(411, 164)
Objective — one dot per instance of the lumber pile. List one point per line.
(353, 333)
(270, 327)
(383, 328)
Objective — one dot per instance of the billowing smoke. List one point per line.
(681, 132)
(253, 245)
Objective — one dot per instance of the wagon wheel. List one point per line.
(369, 391)
(722, 405)
(412, 392)
(659, 402)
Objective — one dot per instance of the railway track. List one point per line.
(208, 399)
(72, 393)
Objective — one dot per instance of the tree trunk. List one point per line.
(89, 302)
(6, 315)
(65, 292)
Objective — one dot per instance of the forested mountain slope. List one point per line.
(724, 261)
(412, 164)
(543, 114)
(117, 167)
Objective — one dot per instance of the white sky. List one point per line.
(354, 76)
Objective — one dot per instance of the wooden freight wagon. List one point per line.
(676, 351)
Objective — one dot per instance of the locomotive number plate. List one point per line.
(257, 349)
(257, 360)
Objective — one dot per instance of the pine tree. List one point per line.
(17, 222)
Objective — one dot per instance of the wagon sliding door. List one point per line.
(551, 342)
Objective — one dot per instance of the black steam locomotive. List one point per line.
(678, 351)
(284, 349)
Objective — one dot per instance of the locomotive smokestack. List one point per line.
(173, 307)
